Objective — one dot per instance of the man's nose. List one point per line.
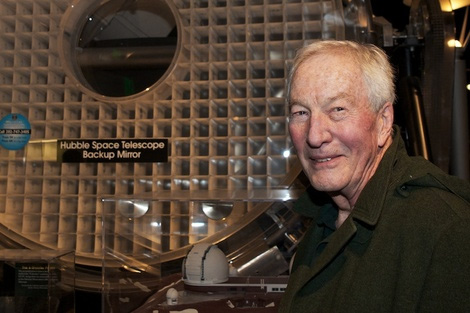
(318, 132)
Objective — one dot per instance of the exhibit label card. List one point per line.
(112, 150)
(32, 279)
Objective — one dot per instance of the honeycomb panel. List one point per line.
(222, 108)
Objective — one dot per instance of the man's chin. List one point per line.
(326, 186)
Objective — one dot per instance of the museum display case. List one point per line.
(256, 241)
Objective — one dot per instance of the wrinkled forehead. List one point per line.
(328, 67)
(333, 59)
(326, 76)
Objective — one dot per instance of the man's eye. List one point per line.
(298, 115)
(338, 113)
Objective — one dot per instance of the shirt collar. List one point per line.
(328, 216)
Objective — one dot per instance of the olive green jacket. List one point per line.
(404, 248)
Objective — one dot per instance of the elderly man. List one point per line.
(390, 233)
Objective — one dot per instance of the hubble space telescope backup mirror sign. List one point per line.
(112, 150)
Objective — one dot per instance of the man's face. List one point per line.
(333, 129)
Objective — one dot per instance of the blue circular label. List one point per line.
(15, 131)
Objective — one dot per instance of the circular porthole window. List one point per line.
(119, 48)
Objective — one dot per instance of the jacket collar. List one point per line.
(398, 172)
(371, 201)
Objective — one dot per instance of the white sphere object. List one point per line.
(205, 264)
(172, 296)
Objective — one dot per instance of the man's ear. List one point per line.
(385, 123)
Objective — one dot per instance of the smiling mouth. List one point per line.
(322, 160)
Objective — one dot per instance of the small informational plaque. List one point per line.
(32, 279)
(15, 131)
(112, 150)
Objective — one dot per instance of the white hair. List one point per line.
(376, 69)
